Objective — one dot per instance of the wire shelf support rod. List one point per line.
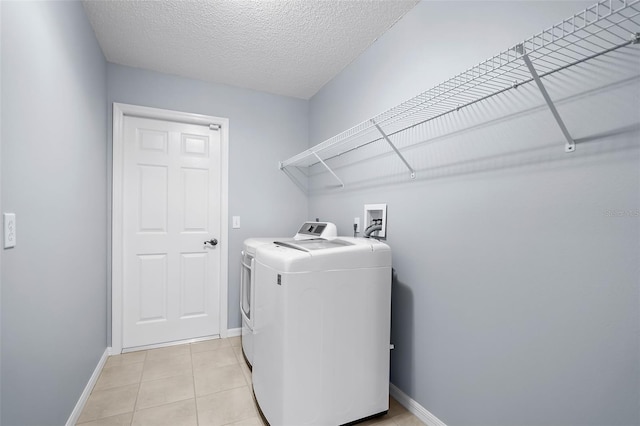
(329, 169)
(386, 138)
(570, 146)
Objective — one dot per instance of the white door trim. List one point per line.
(119, 112)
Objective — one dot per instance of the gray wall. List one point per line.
(54, 126)
(1, 205)
(264, 129)
(515, 299)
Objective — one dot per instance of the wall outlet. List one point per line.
(9, 230)
(376, 214)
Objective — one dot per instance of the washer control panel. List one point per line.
(308, 230)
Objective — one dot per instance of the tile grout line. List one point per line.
(237, 357)
(242, 363)
(135, 403)
(398, 414)
(193, 376)
(239, 362)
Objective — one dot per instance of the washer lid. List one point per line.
(289, 256)
(313, 244)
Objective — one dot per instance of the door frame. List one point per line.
(117, 262)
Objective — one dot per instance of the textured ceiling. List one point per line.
(286, 47)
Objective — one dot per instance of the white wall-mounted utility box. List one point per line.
(375, 214)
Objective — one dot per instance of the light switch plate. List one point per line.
(9, 230)
(236, 222)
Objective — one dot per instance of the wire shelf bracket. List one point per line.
(570, 146)
(386, 138)
(329, 169)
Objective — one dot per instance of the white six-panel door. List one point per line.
(171, 206)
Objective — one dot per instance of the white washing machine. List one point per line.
(247, 277)
(322, 330)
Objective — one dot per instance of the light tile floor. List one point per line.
(205, 383)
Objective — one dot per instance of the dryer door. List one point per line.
(246, 288)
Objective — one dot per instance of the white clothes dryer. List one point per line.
(247, 294)
(322, 330)
(308, 230)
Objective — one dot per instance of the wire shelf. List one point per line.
(602, 28)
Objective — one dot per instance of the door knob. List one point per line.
(212, 241)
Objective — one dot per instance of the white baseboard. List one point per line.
(75, 414)
(414, 408)
(234, 332)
